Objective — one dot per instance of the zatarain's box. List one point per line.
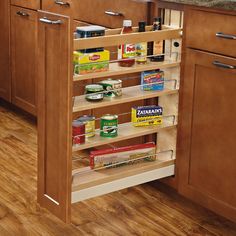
(146, 115)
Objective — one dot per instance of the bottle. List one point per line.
(126, 51)
(141, 48)
(158, 47)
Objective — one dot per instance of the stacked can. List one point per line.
(78, 132)
(89, 122)
(112, 88)
(109, 126)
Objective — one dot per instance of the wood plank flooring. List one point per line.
(149, 209)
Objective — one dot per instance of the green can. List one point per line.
(109, 126)
(94, 92)
(112, 88)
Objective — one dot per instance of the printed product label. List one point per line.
(128, 50)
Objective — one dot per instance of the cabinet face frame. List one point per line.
(55, 116)
(194, 60)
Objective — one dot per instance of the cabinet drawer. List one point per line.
(201, 30)
(107, 13)
(112, 13)
(63, 7)
(32, 4)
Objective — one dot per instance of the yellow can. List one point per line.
(89, 122)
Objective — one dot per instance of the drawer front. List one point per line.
(63, 7)
(201, 30)
(32, 4)
(102, 12)
(112, 13)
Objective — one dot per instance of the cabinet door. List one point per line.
(54, 116)
(23, 58)
(5, 82)
(207, 157)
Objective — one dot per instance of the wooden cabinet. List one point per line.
(102, 12)
(206, 163)
(23, 58)
(214, 32)
(5, 79)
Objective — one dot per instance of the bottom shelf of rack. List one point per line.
(89, 183)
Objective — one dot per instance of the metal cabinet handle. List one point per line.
(112, 13)
(222, 65)
(22, 13)
(61, 3)
(225, 36)
(51, 22)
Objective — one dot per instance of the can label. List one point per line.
(113, 88)
(109, 126)
(89, 122)
(78, 134)
(90, 128)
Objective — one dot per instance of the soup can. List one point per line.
(112, 88)
(109, 126)
(78, 132)
(89, 122)
(94, 92)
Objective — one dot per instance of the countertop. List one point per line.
(219, 4)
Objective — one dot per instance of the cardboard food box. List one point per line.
(91, 62)
(152, 80)
(146, 115)
(115, 157)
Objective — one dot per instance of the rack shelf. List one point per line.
(86, 181)
(125, 131)
(115, 70)
(129, 94)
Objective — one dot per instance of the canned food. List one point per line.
(94, 92)
(109, 126)
(89, 122)
(113, 88)
(78, 132)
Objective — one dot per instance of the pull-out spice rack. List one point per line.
(63, 176)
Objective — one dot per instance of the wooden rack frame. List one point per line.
(56, 190)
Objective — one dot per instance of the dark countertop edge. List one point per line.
(228, 8)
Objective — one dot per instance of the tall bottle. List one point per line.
(126, 51)
(158, 47)
(141, 48)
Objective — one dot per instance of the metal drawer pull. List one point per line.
(112, 13)
(222, 65)
(21, 13)
(61, 3)
(51, 22)
(226, 36)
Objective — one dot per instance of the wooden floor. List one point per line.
(143, 210)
